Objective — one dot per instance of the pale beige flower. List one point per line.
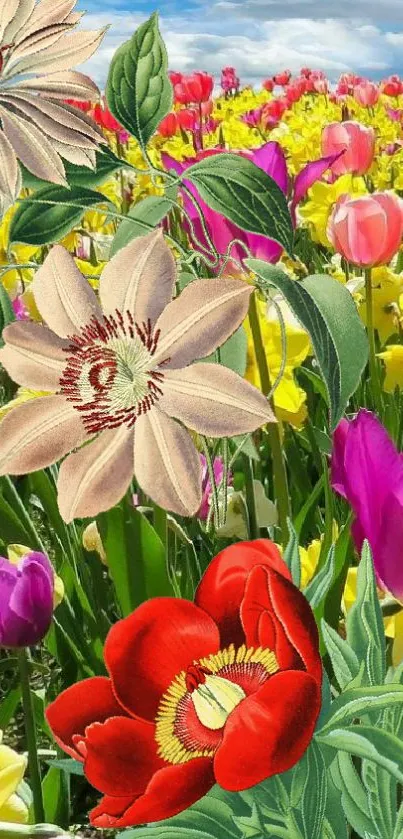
(38, 46)
(121, 376)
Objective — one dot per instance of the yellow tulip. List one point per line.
(12, 768)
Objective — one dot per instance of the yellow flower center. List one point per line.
(215, 699)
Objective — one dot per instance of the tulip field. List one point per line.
(201, 444)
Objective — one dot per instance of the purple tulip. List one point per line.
(367, 470)
(26, 600)
(271, 159)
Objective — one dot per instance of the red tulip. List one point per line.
(306, 72)
(282, 78)
(76, 103)
(273, 111)
(226, 690)
(320, 85)
(175, 78)
(197, 87)
(367, 230)
(293, 93)
(268, 85)
(366, 94)
(393, 86)
(187, 119)
(168, 126)
(357, 140)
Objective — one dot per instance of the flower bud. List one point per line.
(27, 591)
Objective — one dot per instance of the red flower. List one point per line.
(268, 85)
(168, 126)
(197, 87)
(226, 689)
(283, 78)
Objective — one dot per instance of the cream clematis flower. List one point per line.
(121, 376)
(37, 49)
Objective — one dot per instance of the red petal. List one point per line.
(91, 700)
(145, 651)
(268, 732)
(276, 615)
(121, 756)
(170, 791)
(222, 587)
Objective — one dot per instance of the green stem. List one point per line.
(251, 500)
(30, 732)
(373, 364)
(160, 523)
(39, 831)
(273, 429)
(215, 510)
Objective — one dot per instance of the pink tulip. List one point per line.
(282, 78)
(367, 230)
(268, 85)
(357, 140)
(366, 94)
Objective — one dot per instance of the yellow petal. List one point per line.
(14, 810)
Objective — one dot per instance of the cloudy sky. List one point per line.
(259, 37)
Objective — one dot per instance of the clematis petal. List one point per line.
(82, 704)
(166, 463)
(170, 791)
(32, 147)
(38, 433)
(160, 639)
(121, 756)
(214, 400)
(69, 85)
(18, 21)
(10, 177)
(95, 478)
(64, 298)
(275, 614)
(139, 279)
(33, 355)
(269, 731)
(72, 49)
(222, 587)
(205, 314)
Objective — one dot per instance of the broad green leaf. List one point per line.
(382, 797)
(353, 797)
(6, 310)
(355, 702)
(368, 742)
(67, 764)
(106, 164)
(319, 586)
(344, 660)
(56, 797)
(291, 555)
(232, 353)
(52, 213)
(314, 794)
(365, 632)
(138, 90)
(335, 820)
(238, 189)
(209, 818)
(327, 311)
(140, 219)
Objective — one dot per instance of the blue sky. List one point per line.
(259, 37)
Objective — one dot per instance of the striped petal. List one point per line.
(64, 298)
(38, 433)
(214, 400)
(10, 175)
(139, 279)
(67, 85)
(33, 355)
(166, 463)
(204, 315)
(32, 148)
(38, 41)
(73, 49)
(75, 155)
(8, 10)
(53, 119)
(96, 478)
(17, 23)
(46, 13)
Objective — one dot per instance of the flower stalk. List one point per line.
(373, 364)
(30, 732)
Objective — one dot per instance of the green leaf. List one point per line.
(106, 164)
(291, 555)
(314, 794)
(56, 797)
(365, 632)
(319, 586)
(6, 310)
(335, 817)
(136, 556)
(232, 353)
(327, 311)
(382, 798)
(242, 192)
(52, 213)
(69, 765)
(344, 660)
(140, 219)
(138, 90)
(209, 818)
(355, 702)
(368, 742)
(353, 797)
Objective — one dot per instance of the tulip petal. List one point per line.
(95, 478)
(214, 400)
(33, 355)
(170, 791)
(276, 615)
(38, 433)
(160, 639)
(30, 606)
(204, 315)
(269, 731)
(337, 464)
(121, 756)
(64, 298)
(271, 158)
(166, 463)
(222, 587)
(311, 173)
(82, 704)
(139, 279)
